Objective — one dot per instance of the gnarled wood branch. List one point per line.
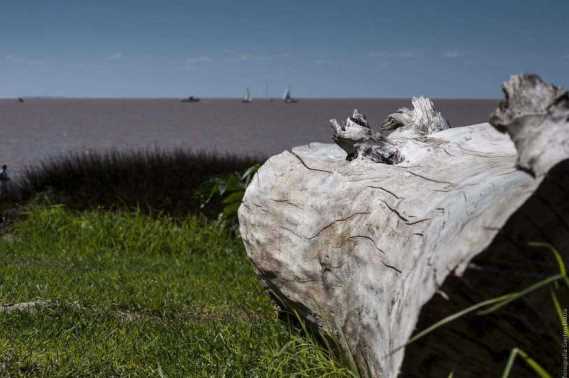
(359, 141)
(367, 245)
(535, 115)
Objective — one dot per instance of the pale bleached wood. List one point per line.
(535, 114)
(357, 246)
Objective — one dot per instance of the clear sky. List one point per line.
(331, 48)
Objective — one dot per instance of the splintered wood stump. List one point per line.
(358, 237)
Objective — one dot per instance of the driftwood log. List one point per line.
(358, 237)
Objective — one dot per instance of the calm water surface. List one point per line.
(42, 128)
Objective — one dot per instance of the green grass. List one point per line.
(140, 296)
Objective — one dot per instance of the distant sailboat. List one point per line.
(247, 98)
(287, 98)
(191, 99)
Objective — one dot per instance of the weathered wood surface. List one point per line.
(358, 246)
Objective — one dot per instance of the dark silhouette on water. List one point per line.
(20, 100)
(4, 178)
(191, 99)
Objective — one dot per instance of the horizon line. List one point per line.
(15, 98)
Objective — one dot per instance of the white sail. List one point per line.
(286, 95)
(247, 97)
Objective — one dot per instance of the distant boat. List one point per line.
(191, 99)
(287, 98)
(247, 98)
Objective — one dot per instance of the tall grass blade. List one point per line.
(512, 297)
(496, 303)
(449, 319)
(540, 371)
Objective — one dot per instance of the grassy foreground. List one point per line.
(140, 296)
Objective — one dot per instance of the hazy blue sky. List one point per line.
(209, 48)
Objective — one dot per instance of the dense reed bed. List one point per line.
(153, 181)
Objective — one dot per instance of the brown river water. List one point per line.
(44, 128)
